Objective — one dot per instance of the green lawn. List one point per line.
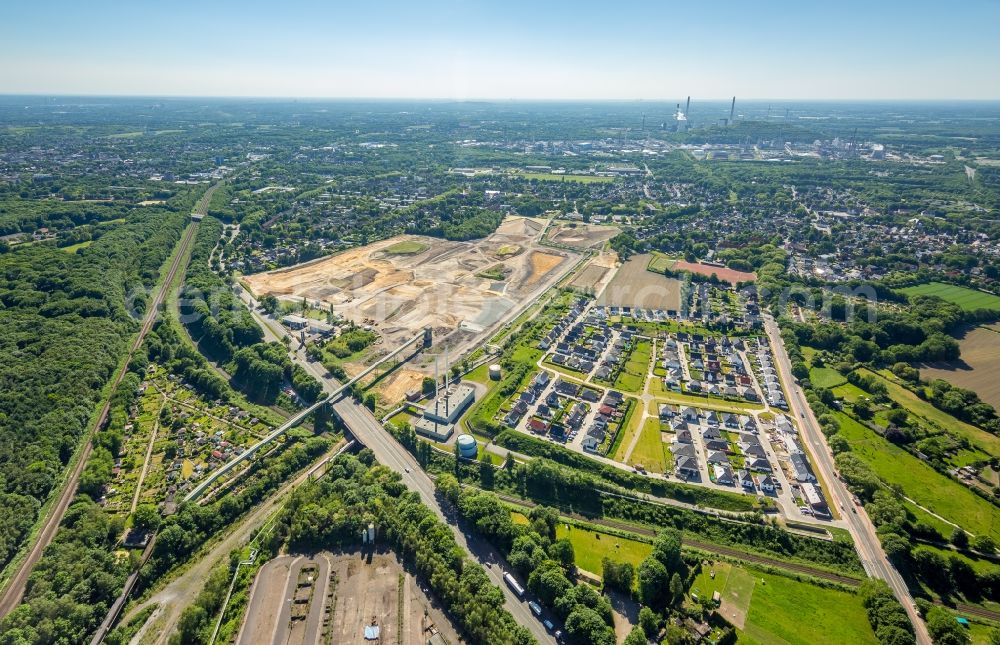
(649, 449)
(630, 426)
(784, 610)
(965, 298)
(628, 382)
(923, 516)
(981, 565)
(706, 584)
(73, 247)
(633, 374)
(849, 392)
(408, 247)
(920, 482)
(659, 262)
(590, 547)
(912, 403)
(550, 176)
(826, 377)
(788, 611)
(980, 633)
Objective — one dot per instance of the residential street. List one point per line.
(862, 530)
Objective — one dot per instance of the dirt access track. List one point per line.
(332, 597)
(409, 282)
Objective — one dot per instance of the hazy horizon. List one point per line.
(496, 99)
(459, 50)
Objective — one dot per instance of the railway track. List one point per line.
(737, 554)
(15, 587)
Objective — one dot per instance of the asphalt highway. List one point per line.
(860, 526)
(367, 429)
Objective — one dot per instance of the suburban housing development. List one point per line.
(600, 348)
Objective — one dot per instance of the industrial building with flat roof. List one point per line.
(449, 406)
(433, 430)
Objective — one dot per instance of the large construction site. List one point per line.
(403, 284)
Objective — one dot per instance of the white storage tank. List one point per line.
(467, 446)
(495, 372)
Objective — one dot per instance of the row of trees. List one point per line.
(332, 512)
(537, 555)
(571, 488)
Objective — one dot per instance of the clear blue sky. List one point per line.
(614, 49)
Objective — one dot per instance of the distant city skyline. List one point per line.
(451, 49)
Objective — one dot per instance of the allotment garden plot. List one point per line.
(174, 438)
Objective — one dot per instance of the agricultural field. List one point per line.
(929, 488)
(634, 286)
(976, 369)
(965, 298)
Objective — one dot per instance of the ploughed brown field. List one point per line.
(976, 370)
(634, 286)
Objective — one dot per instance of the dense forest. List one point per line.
(453, 216)
(224, 330)
(64, 324)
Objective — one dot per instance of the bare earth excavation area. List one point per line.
(333, 598)
(581, 236)
(409, 282)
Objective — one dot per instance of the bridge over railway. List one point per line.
(196, 492)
